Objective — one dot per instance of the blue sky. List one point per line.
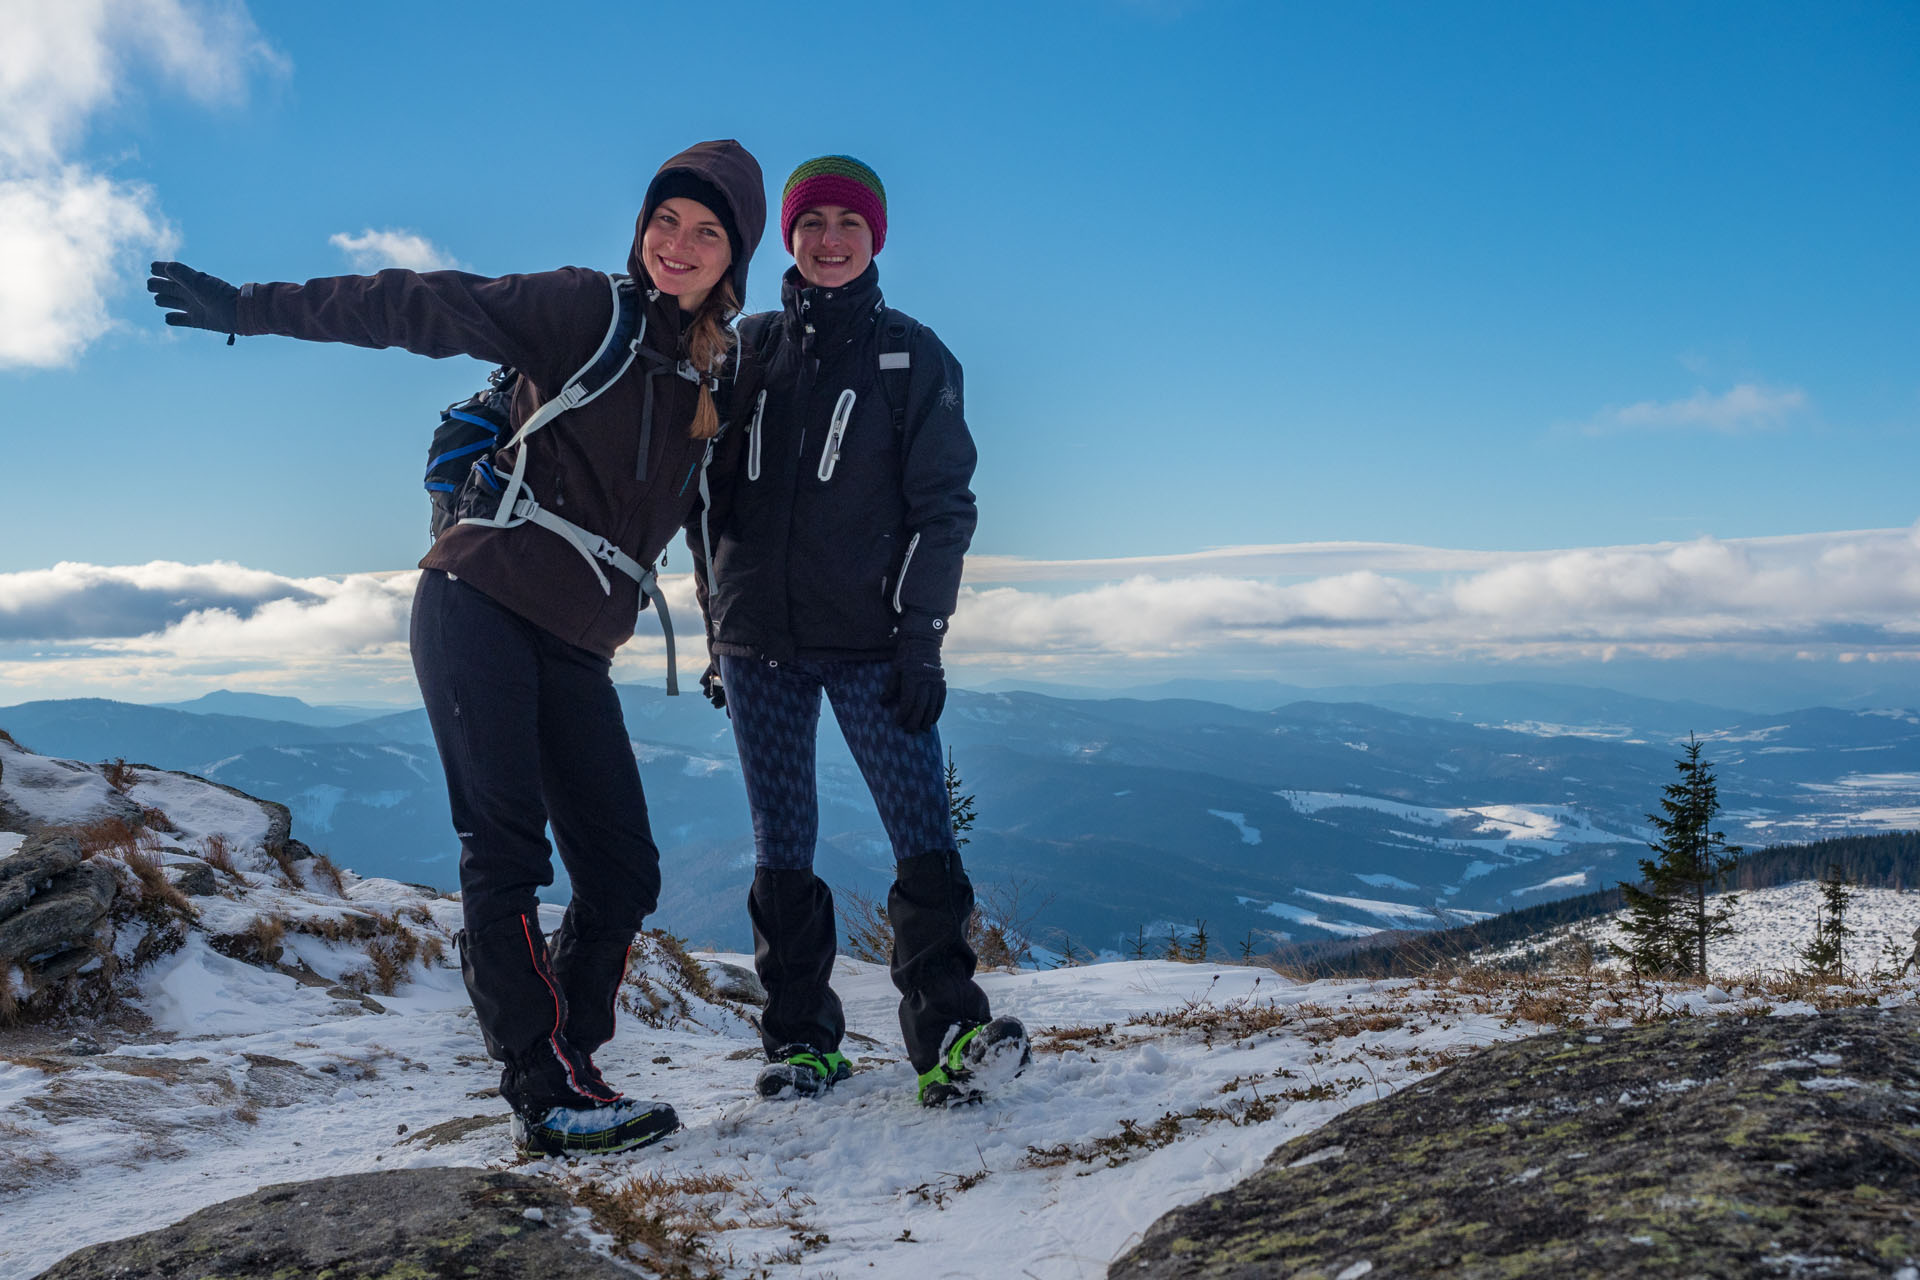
(1509, 285)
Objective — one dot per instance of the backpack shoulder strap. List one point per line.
(897, 331)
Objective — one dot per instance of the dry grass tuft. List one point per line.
(155, 819)
(1061, 1039)
(119, 774)
(1135, 1139)
(156, 891)
(326, 873)
(10, 740)
(667, 1223)
(692, 972)
(268, 934)
(219, 855)
(114, 836)
(389, 958)
(283, 859)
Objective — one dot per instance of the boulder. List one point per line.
(62, 916)
(478, 1223)
(40, 857)
(1717, 1146)
(732, 982)
(195, 879)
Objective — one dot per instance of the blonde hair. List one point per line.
(709, 341)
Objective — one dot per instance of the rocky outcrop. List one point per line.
(53, 906)
(1710, 1147)
(488, 1225)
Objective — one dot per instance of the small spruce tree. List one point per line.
(960, 806)
(1669, 918)
(1827, 953)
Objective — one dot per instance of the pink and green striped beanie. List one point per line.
(840, 180)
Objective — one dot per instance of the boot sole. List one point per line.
(641, 1131)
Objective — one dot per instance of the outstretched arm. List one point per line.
(542, 324)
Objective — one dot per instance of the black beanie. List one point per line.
(685, 184)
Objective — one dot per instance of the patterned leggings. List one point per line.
(776, 715)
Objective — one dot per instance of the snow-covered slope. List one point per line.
(1153, 1083)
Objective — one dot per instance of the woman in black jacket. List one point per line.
(521, 606)
(839, 518)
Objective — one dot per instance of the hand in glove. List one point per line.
(195, 299)
(916, 687)
(711, 686)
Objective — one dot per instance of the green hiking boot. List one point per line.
(802, 1072)
(979, 1060)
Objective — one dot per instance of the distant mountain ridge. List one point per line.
(1128, 817)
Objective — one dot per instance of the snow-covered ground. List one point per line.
(1153, 1083)
(1771, 927)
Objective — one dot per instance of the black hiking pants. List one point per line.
(530, 732)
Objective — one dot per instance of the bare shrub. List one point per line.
(119, 774)
(865, 932)
(1001, 928)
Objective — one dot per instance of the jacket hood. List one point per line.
(733, 171)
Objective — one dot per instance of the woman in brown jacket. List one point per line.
(517, 615)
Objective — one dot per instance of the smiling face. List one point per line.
(831, 245)
(685, 250)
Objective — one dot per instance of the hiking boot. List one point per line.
(802, 1073)
(614, 1126)
(979, 1060)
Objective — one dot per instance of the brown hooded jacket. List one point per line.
(583, 466)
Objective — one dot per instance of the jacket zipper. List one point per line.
(753, 436)
(905, 560)
(830, 451)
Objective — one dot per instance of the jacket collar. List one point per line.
(831, 312)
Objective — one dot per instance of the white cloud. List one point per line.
(1746, 407)
(167, 629)
(371, 250)
(70, 234)
(66, 238)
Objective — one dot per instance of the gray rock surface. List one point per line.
(1700, 1147)
(733, 982)
(40, 857)
(62, 916)
(195, 879)
(403, 1223)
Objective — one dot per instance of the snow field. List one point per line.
(1772, 926)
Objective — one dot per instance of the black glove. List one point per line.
(711, 686)
(195, 299)
(916, 687)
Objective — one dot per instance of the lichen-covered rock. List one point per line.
(487, 1225)
(40, 857)
(1710, 1147)
(63, 916)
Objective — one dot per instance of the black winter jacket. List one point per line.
(830, 557)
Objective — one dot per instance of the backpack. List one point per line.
(465, 487)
